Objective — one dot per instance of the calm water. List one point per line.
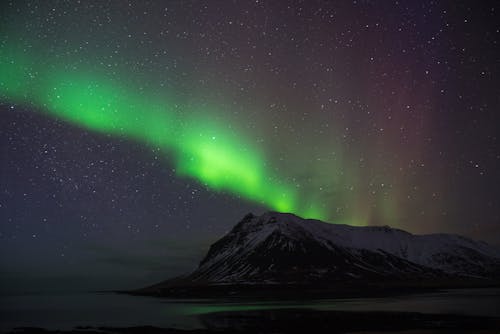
(103, 309)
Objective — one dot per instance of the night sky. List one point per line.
(134, 134)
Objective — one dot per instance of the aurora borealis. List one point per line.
(135, 133)
(203, 149)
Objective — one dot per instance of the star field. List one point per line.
(356, 112)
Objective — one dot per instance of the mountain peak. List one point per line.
(251, 222)
(282, 248)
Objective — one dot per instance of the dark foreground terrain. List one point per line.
(301, 321)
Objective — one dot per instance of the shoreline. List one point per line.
(303, 320)
(294, 291)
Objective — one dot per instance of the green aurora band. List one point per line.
(200, 147)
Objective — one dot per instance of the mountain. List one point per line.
(279, 249)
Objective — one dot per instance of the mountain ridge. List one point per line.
(282, 249)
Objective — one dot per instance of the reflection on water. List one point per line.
(106, 309)
(483, 302)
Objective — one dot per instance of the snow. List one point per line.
(425, 250)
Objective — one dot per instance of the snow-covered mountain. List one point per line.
(279, 248)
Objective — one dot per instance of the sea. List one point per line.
(70, 310)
